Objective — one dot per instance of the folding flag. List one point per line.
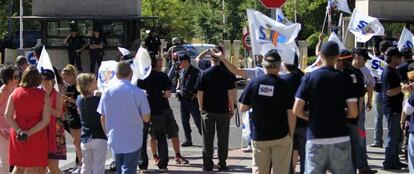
(406, 39)
(364, 27)
(339, 4)
(280, 17)
(375, 66)
(45, 63)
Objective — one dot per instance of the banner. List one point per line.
(106, 74)
(267, 34)
(45, 63)
(406, 39)
(280, 17)
(341, 5)
(333, 37)
(124, 51)
(142, 64)
(375, 66)
(364, 27)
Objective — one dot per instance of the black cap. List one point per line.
(407, 52)
(392, 51)
(362, 52)
(182, 55)
(330, 49)
(345, 54)
(272, 56)
(48, 74)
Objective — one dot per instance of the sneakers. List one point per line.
(247, 149)
(162, 170)
(367, 170)
(181, 160)
(77, 170)
(112, 166)
(376, 145)
(223, 168)
(187, 144)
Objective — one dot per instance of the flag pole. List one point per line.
(324, 21)
(346, 34)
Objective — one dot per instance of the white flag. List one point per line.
(141, 65)
(406, 39)
(267, 34)
(364, 27)
(45, 63)
(375, 66)
(124, 51)
(339, 4)
(107, 74)
(333, 37)
(280, 17)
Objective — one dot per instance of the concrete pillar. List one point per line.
(236, 52)
(303, 54)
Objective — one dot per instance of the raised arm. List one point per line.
(233, 69)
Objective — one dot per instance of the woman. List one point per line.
(27, 150)
(56, 133)
(96, 52)
(10, 77)
(71, 115)
(93, 138)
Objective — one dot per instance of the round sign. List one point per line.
(246, 41)
(32, 59)
(272, 3)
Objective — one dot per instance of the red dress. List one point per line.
(28, 104)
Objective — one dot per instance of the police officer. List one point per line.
(153, 42)
(96, 51)
(75, 47)
(187, 96)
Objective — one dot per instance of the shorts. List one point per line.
(171, 126)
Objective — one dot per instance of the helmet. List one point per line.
(176, 40)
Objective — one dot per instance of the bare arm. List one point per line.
(230, 95)
(200, 97)
(291, 122)
(9, 114)
(202, 55)
(146, 118)
(45, 118)
(233, 69)
(352, 108)
(103, 123)
(244, 108)
(370, 91)
(167, 94)
(66, 39)
(299, 109)
(58, 111)
(319, 45)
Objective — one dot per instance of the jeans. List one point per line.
(75, 59)
(299, 144)
(94, 156)
(143, 162)
(158, 130)
(359, 154)
(188, 107)
(393, 139)
(4, 155)
(212, 122)
(378, 119)
(333, 157)
(126, 163)
(96, 57)
(411, 152)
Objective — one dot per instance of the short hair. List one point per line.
(69, 70)
(21, 60)
(8, 73)
(84, 81)
(330, 50)
(123, 69)
(384, 45)
(271, 65)
(31, 78)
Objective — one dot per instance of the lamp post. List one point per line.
(21, 24)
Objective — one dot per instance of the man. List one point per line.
(378, 141)
(21, 64)
(392, 107)
(156, 89)
(327, 92)
(187, 96)
(272, 127)
(75, 47)
(124, 109)
(216, 101)
(407, 59)
(293, 79)
(356, 125)
(152, 42)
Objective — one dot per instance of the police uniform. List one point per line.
(188, 99)
(96, 55)
(75, 43)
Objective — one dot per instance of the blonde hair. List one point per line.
(84, 81)
(70, 70)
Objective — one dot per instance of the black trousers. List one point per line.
(143, 162)
(74, 59)
(158, 131)
(96, 58)
(210, 123)
(189, 108)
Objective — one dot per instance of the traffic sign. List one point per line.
(246, 41)
(270, 4)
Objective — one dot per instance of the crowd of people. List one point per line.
(316, 117)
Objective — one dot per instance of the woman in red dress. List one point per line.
(27, 149)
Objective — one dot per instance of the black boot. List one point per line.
(187, 142)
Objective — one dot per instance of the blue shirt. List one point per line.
(252, 73)
(391, 79)
(268, 123)
(123, 106)
(327, 90)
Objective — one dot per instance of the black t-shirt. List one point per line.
(153, 44)
(155, 85)
(215, 83)
(96, 41)
(164, 78)
(403, 70)
(71, 108)
(391, 79)
(269, 97)
(293, 79)
(75, 43)
(327, 90)
(90, 119)
(358, 85)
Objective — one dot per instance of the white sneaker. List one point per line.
(77, 170)
(247, 149)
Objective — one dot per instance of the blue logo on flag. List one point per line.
(408, 44)
(267, 35)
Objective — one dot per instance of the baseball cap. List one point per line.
(48, 74)
(362, 52)
(345, 54)
(392, 51)
(330, 49)
(272, 56)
